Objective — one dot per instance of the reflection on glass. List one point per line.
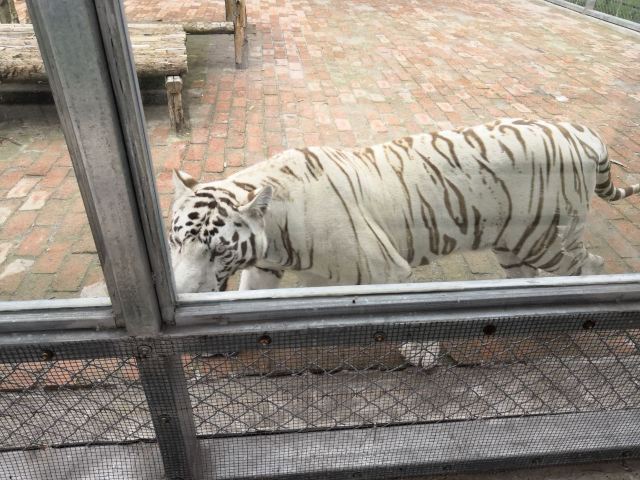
(521, 189)
(46, 247)
(366, 195)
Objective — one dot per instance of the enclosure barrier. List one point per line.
(344, 382)
(625, 13)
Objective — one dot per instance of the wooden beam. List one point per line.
(208, 28)
(230, 10)
(8, 13)
(174, 95)
(240, 37)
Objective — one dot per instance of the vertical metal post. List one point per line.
(165, 387)
(124, 82)
(590, 4)
(87, 56)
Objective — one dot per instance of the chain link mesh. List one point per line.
(57, 415)
(399, 400)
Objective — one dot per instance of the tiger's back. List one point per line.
(370, 214)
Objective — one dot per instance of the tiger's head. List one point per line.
(214, 232)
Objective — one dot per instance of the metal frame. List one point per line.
(88, 58)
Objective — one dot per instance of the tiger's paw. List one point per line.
(421, 354)
(593, 265)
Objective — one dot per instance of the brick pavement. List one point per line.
(340, 74)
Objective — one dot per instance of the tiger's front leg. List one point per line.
(256, 278)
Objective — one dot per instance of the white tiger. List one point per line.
(361, 216)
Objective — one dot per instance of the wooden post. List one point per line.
(174, 95)
(240, 35)
(8, 12)
(230, 10)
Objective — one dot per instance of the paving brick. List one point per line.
(23, 187)
(54, 177)
(35, 286)
(9, 180)
(51, 260)
(235, 157)
(13, 274)
(4, 214)
(72, 272)
(196, 152)
(36, 200)
(5, 248)
(17, 225)
(35, 242)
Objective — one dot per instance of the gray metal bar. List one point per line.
(100, 318)
(532, 300)
(327, 330)
(612, 19)
(112, 20)
(98, 101)
(165, 386)
(429, 449)
(301, 307)
(72, 48)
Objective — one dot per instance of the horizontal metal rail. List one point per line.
(353, 305)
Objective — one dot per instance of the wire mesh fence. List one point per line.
(626, 9)
(388, 400)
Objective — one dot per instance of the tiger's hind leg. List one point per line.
(513, 266)
(255, 278)
(573, 260)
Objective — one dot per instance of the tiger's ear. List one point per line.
(258, 204)
(183, 183)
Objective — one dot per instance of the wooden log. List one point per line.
(240, 36)
(174, 95)
(230, 10)
(158, 49)
(208, 28)
(8, 13)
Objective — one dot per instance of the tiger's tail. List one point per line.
(605, 188)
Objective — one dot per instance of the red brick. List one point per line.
(70, 276)
(35, 242)
(17, 225)
(55, 177)
(255, 144)
(67, 189)
(216, 146)
(629, 231)
(235, 158)
(9, 282)
(214, 162)
(193, 168)
(196, 152)
(235, 140)
(51, 259)
(34, 287)
(219, 130)
(43, 164)
(9, 179)
(199, 135)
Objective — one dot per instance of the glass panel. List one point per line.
(46, 246)
(426, 207)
